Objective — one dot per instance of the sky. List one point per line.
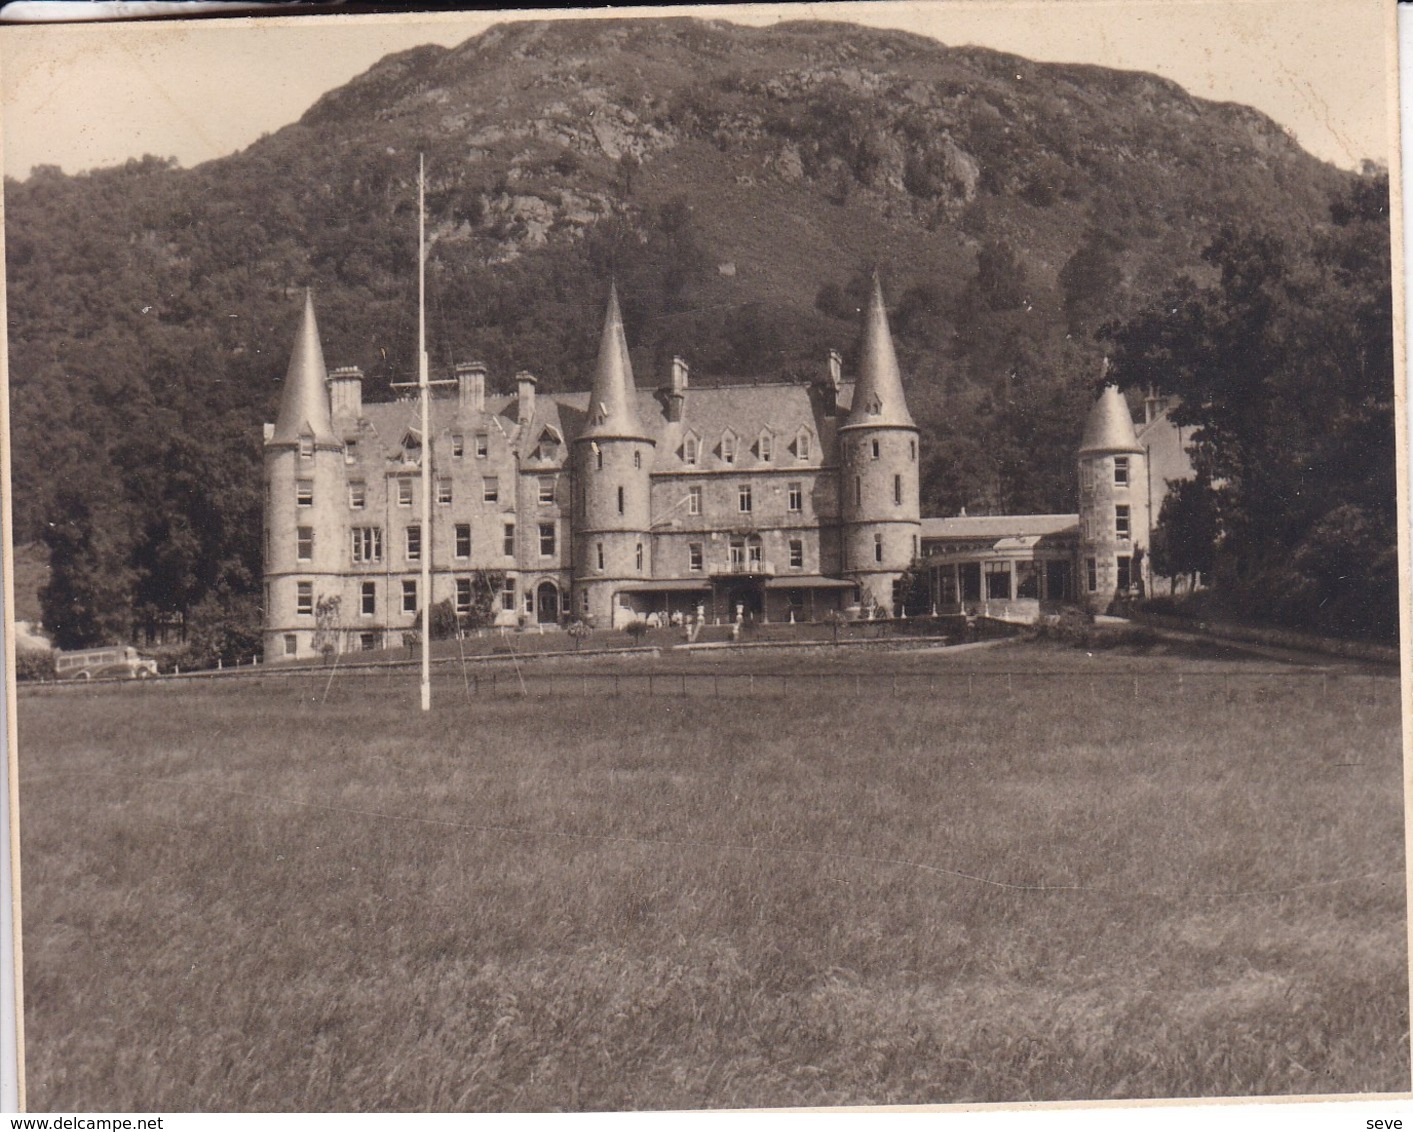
(86, 95)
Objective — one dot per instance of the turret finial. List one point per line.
(304, 404)
(613, 410)
(878, 394)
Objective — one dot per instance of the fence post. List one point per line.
(650, 685)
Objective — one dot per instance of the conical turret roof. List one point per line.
(1110, 425)
(878, 393)
(304, 405)
(613, 412)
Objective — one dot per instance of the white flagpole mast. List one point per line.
(424, 396)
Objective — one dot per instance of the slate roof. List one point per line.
(998, 527)
(1110, 425)
(304, 402)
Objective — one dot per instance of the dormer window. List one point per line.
(306, 445)
(547, 448)
(411, 448)
(873, 406)
(690, 448)
(728, 447)
(804, 444)
(763, 446)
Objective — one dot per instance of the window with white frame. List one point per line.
(764, 446)
(728, 447)
(414, 544)
(409, 595)
(404, 491)
(694, 500)
(463, 595)
(368, 599)
(306, 446)
(483, 445)
(463, 540)
(795, 497)
(304, 599)
(304, 544)
(444, 491)
(1122, 523)
(507, 595)
(695, 557)
(797, 553)
(490, 489)
(1121, 471)
(547, 489)
(804, 444)
(350, 450)
(304, 493)
(357, 495)
(743, 498)
(689, 449)
(507, 545)
(367, 544)
(458, 445)
(547, 540)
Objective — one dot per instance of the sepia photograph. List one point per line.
(707, 558)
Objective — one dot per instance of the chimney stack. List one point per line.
(471, 385)
(346, 392)
(836, 370)
(677, 393)
(525, 391)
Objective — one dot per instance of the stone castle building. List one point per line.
(770, 502)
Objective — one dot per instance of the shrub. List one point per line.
(34, 664)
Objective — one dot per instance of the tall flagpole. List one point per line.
(424, 396)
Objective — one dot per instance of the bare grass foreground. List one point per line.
(918, 878)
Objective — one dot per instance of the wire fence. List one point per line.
(471, 683)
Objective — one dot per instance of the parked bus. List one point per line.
(114, 662)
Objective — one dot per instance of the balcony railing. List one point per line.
(757, 566)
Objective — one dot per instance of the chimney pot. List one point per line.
(525, 392)
(471, 385)
(346, 392)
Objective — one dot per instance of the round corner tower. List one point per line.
(878, 468)
(612, 468)
(304, 483)
(1114, 518)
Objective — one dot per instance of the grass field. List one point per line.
(1139, 876)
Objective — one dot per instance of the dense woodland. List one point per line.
(739, 184)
